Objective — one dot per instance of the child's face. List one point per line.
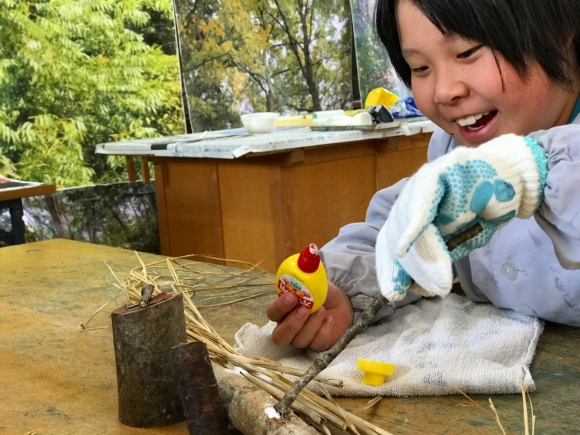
(457, 84)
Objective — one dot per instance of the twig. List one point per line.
(524, 393)
(83, 326)
(220, 351)
(497, 416)
(363, 409)
(283, 407)
(464, 236)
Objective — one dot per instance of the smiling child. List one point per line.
(501, 80)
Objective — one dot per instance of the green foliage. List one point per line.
(263, 55)
(119, 214)
(374, 66)
(74, 73)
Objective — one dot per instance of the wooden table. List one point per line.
(12, 200)
(62, 381)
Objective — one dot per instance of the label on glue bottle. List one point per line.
(287, 284)
(304, 275)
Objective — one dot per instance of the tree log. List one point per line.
(246, 405)
(143, 337)
(198, 389)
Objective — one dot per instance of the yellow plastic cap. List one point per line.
(380, 96)
(375, 371)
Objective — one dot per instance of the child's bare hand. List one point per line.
(318, 331)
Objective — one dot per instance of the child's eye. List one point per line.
(469, 52)
(419, 70)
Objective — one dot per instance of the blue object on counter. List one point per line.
(405, 109)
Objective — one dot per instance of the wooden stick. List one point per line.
(283, 407)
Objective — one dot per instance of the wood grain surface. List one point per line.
(61, 381)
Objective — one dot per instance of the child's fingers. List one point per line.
(311, 327)
(324, 338)
(286, 331)
(279, 308)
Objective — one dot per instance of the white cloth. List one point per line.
(479, 348)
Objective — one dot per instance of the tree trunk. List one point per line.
(143, 337)
(308, 70)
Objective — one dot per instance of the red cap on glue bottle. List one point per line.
(309, 260)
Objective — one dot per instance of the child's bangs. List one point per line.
(489, 22)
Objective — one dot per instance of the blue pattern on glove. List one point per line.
(463, 188)
(469, 188)
(402, 280)
(541, 160)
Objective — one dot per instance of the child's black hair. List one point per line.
(546, 31)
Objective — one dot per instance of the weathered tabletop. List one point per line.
(61, 381)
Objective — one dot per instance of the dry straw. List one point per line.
(199, 280)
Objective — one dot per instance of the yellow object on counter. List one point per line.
(380, 96)
(375, 371)
(295, 121)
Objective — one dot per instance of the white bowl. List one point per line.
(261, 122)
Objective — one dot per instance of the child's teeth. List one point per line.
(471, 119)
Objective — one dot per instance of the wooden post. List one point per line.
(145, 169)
(198, 389)
(143, 337)
(131, 168)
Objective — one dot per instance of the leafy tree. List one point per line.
(256, 55)
(317, 34)
(374, 66)
(74, 73)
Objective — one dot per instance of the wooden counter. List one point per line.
(264, 208)
(60, 381)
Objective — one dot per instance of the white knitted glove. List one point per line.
(490, 184)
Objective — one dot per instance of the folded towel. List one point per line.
(435, 343)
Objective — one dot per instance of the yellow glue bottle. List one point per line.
(304, 275)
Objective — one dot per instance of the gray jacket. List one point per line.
(530, 265)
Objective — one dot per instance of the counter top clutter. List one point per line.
(235, 143)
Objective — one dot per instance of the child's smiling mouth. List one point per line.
(477, 121)
(478, 128)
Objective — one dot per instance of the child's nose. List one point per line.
(449, 89)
